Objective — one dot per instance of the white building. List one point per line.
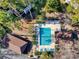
(67, 1)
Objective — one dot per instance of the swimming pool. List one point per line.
(45, 36)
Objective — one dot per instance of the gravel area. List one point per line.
(67, 51)
(8, 54)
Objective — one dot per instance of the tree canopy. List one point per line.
(45, 55)
(53, 5)
(73, 9)
(21, 4)
(6, 15)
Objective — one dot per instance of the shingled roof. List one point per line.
(16, 41)
(17, 44)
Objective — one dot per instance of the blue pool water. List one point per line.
(45, 36)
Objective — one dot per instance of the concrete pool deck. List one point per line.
(53, 28)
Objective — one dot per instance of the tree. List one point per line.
(45, 55)
(38, 5)
(53, 5)
(2, 32)
(73, 6)
(6, 21)
(21, 4)
(75, 19)
(69, 8)
(73, 9)
(4, 4)
(6, 18)
(13, 4)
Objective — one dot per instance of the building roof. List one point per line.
(16, 41)
(67, 1)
